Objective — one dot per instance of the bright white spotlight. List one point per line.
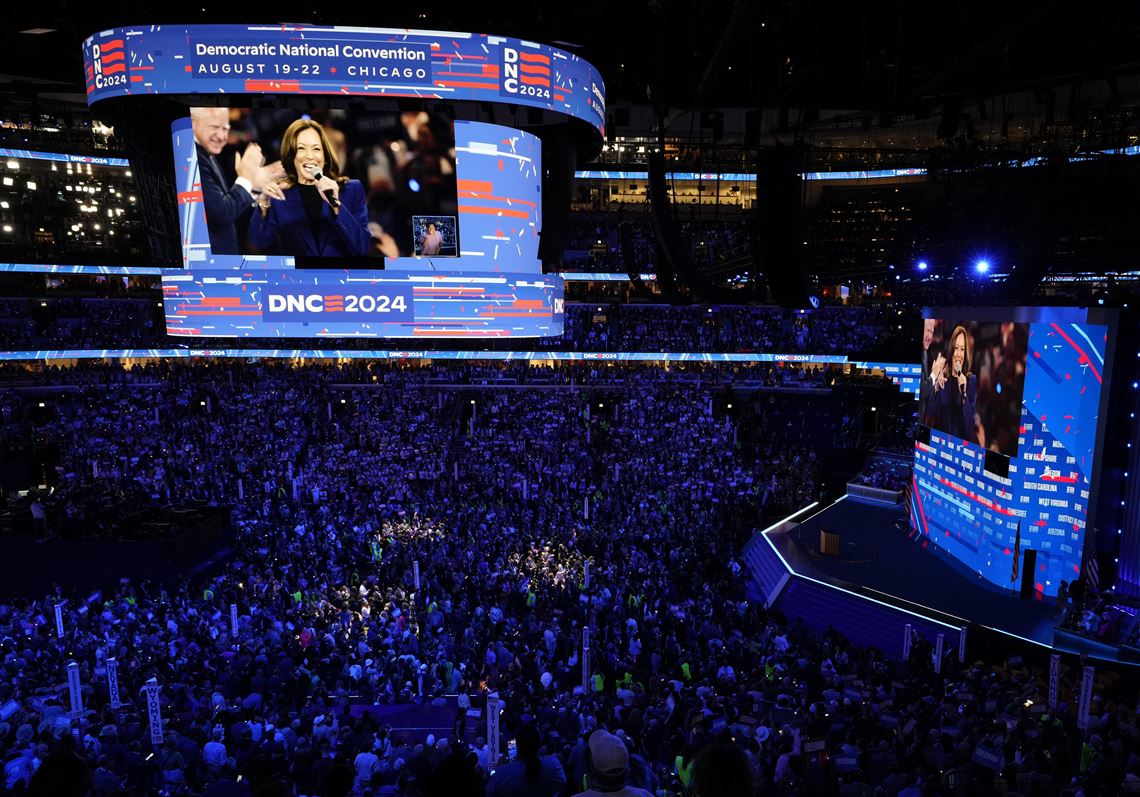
(982, 266)
(922, 265)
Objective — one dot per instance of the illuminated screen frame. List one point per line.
(499, 182)
(1052, 486)
(495, 290)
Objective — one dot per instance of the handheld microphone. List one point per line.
(961, 386)
(315, 174)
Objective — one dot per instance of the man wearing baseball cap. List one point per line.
(607, 766)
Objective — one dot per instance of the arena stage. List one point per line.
(882, 579)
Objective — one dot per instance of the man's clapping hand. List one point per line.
(938, 372)
(247, 163)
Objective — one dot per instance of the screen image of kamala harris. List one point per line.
(956, 397)
(227, 206)
(318, 212)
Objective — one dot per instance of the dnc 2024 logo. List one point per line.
(524, 72)
(108, 66)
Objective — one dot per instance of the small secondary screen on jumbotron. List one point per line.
(984, 519)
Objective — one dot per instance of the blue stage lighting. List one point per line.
(982, 266)
(922, 266)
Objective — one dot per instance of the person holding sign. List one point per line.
(319, 213)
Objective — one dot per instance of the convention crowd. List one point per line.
(62, 322)
(409, 542)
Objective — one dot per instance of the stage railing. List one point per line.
(877, 494)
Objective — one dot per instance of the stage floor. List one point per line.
(880, 559)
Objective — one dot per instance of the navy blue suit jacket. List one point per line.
(286, 230)
(224, 206)
(955, 411)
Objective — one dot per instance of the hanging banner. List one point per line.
(233, 620)
(59, 620)
(939, 641)
(962, 645)
(416, 574)
(75, 690)
(906, 642)
(113, 682)
(1054, 680)
(493, 731)
(1086, 697)
(586, 576)
(154, 711)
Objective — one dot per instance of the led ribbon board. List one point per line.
(374, 62)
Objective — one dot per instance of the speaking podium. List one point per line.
(828, 542)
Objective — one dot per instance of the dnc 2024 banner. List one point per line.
(342, 60)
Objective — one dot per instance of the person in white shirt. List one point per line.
(366, 765)
(214, 752)
(482, 754)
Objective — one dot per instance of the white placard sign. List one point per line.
(75, 690)
(154, 711)
(586, 660)
(1086, 697)
(113, 682)
(493, 730)
(1054, 680)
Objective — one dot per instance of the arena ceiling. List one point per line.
(881, 57)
